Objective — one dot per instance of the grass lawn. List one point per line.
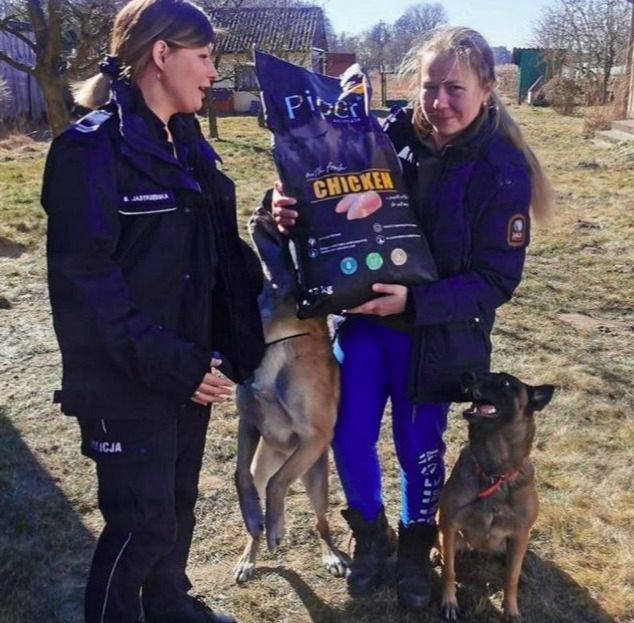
(570, 323)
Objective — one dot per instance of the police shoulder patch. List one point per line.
(516, 231)
(92, 121)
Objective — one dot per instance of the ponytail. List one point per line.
(92, 93)
(541, 188)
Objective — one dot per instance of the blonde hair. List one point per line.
(471, 49)
(138, 25)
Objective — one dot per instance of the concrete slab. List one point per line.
(614, 136)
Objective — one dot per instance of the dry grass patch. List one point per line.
(579, 567)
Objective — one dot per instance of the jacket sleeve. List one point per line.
(87, 285)
(499, 238)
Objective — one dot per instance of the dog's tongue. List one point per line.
(483, 409)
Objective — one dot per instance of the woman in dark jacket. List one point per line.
(154, 301)
(472, 179)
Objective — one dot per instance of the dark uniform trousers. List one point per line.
(147, 473)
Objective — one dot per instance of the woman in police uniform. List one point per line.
(154, 301)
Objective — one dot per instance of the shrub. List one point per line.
(563, 94)
(597, 118)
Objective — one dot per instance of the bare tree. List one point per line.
(374, 50)
(343, 42)
(587, 36)
(65, 36)
(416, 21)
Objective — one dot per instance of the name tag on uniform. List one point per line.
(148, 202)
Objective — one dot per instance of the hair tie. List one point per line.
(111, 66)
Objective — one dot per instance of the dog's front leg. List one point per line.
(449, 605)
(245, 568)
(304, 455)
(515, 551)
(248, 438)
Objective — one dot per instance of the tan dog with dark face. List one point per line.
(287, 411)
(490, 499)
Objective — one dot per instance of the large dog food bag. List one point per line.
(355, 224)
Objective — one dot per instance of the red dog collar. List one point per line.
(496, 481)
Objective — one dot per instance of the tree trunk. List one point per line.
(628, 95)
(53, 90)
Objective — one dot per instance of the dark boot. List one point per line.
(414, 568)
(374, 542)
(193, 610)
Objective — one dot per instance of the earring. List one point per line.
(158, 75)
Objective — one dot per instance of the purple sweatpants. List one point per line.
(374, 367)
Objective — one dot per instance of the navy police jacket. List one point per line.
(147, 272)
(475, 215)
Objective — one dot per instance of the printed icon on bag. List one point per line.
(311, 242)
(398, 257)
(374, 261)
(349, 266)
(313, 253)
(377, 227)
(380, 239)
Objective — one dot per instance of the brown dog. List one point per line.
(490, 498)
(287, 411)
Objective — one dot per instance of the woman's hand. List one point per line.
(393, 301)
(282, 214)
(215, 386)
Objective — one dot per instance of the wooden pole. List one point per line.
(629, 70)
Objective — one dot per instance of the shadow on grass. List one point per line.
(547, 595)
(45, 548)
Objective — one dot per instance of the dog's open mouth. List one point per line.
(481, 409)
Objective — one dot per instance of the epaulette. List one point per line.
(397, 113)
(92, 121)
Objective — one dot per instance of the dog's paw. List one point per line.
(449, 610)
(274, 532)
(243, 571)
(336, 563)
(512, 618)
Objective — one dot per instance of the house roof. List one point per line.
(296, 29)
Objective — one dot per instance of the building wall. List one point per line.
(25, 95)
(241, 101)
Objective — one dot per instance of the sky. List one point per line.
(502, 22)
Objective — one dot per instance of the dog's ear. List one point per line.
(540, 396)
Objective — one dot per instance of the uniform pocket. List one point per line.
(457, 344)
(119, 441)
(135, 462)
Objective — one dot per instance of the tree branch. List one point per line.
(16, 64)
(5, 27)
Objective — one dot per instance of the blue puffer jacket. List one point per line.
(476, 219)
(147, 272)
